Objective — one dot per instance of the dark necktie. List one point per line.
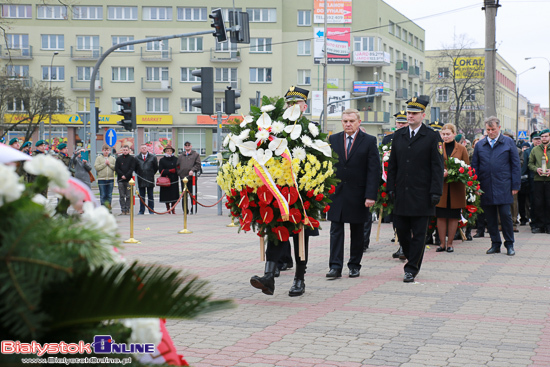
(412, 134)
(350, 141)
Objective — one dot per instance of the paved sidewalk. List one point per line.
(466, 308)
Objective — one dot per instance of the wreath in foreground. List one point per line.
(383, 205)
(281, 171)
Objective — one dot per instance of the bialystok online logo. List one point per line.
(103, 344)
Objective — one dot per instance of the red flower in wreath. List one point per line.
(290, 194)
(310, 194)
(386, 164)
(264, 194)
(461, 170)
(319, 197)
(383, 194)
(266, 213)
(384, 205)
(326, 208)
(474, 177)
(247, 216)
(384, 184)
(244, 225)
(294, 215)
(471, 208)
(229, 199)
(252, 204)
(478, 187)
(233, 192)
(228, 205)
(470, 183)
(470, 173)
(332, 189)
(307, 204)
(281, 232)
(314, 222)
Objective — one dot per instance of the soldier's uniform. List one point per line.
(62, 156)
(415, 180)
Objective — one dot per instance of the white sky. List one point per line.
(521, 31)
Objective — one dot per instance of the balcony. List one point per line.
(221, 86)
(20, 53)
(401, 66)
(425, 76)
(86, 55)
(155, 55)
(84, 85)
(156, 85)
(225, 56)
(26, 81)
(376, 117)
(371, 58)
(401, 93)
(414, 72)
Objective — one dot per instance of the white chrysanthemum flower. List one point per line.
(262, 156)
(263, 135)
(244, 134)
(264, 121)
(267, 108)
(294, 131)
(234, 159)
(306, 140)
(277, 127)
(98, 218)
(313, 129)
(299, 153)
(246, 120)
(50, 167)
(457, 160)
(292, 113)
(10, 187)
(144, 330)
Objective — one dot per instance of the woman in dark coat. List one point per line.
(454, 193)
(167, 168)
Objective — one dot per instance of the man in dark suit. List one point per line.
(358, 168)
(415, 182)
(146, 167)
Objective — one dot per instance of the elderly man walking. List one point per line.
(496, 163)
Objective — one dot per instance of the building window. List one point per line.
(17, 71)
(304, 77)
(470, 117)
(54, 73)
(442, 95)
(404, 35)
(84, 73)
(187, 107)
(253, 102)
(416, 42)
(398, 31)
(226, 75)
(304, 48)
(443, 73)
(157, 13)
(444, 118)
(226, 46)
(470, 94)
(16, 105)
(421, 45)
(157, 105)
(391, 28)
(262, 15)
(219, 105)
(225, 12)
(58, 104)
(114, 106)
(122, 74)
(260, 45)
(51, 12)
(304, 18)
(88, 12)
(191, 44)
(122, 12)
(156, 74)
(260, 75)
(363, 43)
(53, 42)
(121, 39)
(17, 11)
(83, 104)
(192, 14)
(87, 43)
(157, 46)
(19, 42)
(196, 136)
(186, 75)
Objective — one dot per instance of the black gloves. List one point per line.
(435, 199)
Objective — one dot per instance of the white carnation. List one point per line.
(10, 187)
(306, 140)
(386, 158)
(313, 129)
(457, 160)
(277, 127)
(98, 218)
(144, 330)
(50, 167)
(384, 148)
(263, 135)
(299, 153)
(267, 108)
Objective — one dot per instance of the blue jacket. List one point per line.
(497, 169)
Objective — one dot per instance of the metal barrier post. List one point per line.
(132, 188)
(185, 230)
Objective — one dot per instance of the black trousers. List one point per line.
(336, 260)
(275, 252)
(286, 257)
(541, 210)
(367, 230)
(412, 233)
(189, 193)
(523, 205)
(150, 198)
(492, 213)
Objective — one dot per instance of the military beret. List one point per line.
(26, 144)
(62, 146)
(13, 141)
(545, 131)
(40, 142)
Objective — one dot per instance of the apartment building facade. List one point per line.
(369, 44)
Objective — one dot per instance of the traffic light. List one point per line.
(218, 24)
(97, 120)
(230, 105)
(206, 89)
(128, 113)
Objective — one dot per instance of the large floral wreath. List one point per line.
(459, 171)
(281, 171)
(383, 205)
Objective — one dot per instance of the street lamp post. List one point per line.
(517, 102)
(50, 99)
(548, 61)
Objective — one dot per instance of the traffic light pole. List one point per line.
(93, 120)
(219, 122)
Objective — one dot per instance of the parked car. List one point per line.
(209, 164)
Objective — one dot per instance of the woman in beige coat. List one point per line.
(105, 167)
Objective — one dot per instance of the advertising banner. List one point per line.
(470, 67)
(334, 110)
(361, 87)
(338, 45)
(338, 11)
(371, 57)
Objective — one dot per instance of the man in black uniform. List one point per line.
(274, 253)
(415, 182)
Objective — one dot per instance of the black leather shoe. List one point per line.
(354, 273)
(298, 288)
(365, 248)
(334, 273)
(450, 249)
(510, 251)
(392, 240)
(277, 273)
(286, 266)
(398, 253)
(537, 230)
(408, 278)
(479, 235)
(493, 250)
(440, 249)
(468, 235)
